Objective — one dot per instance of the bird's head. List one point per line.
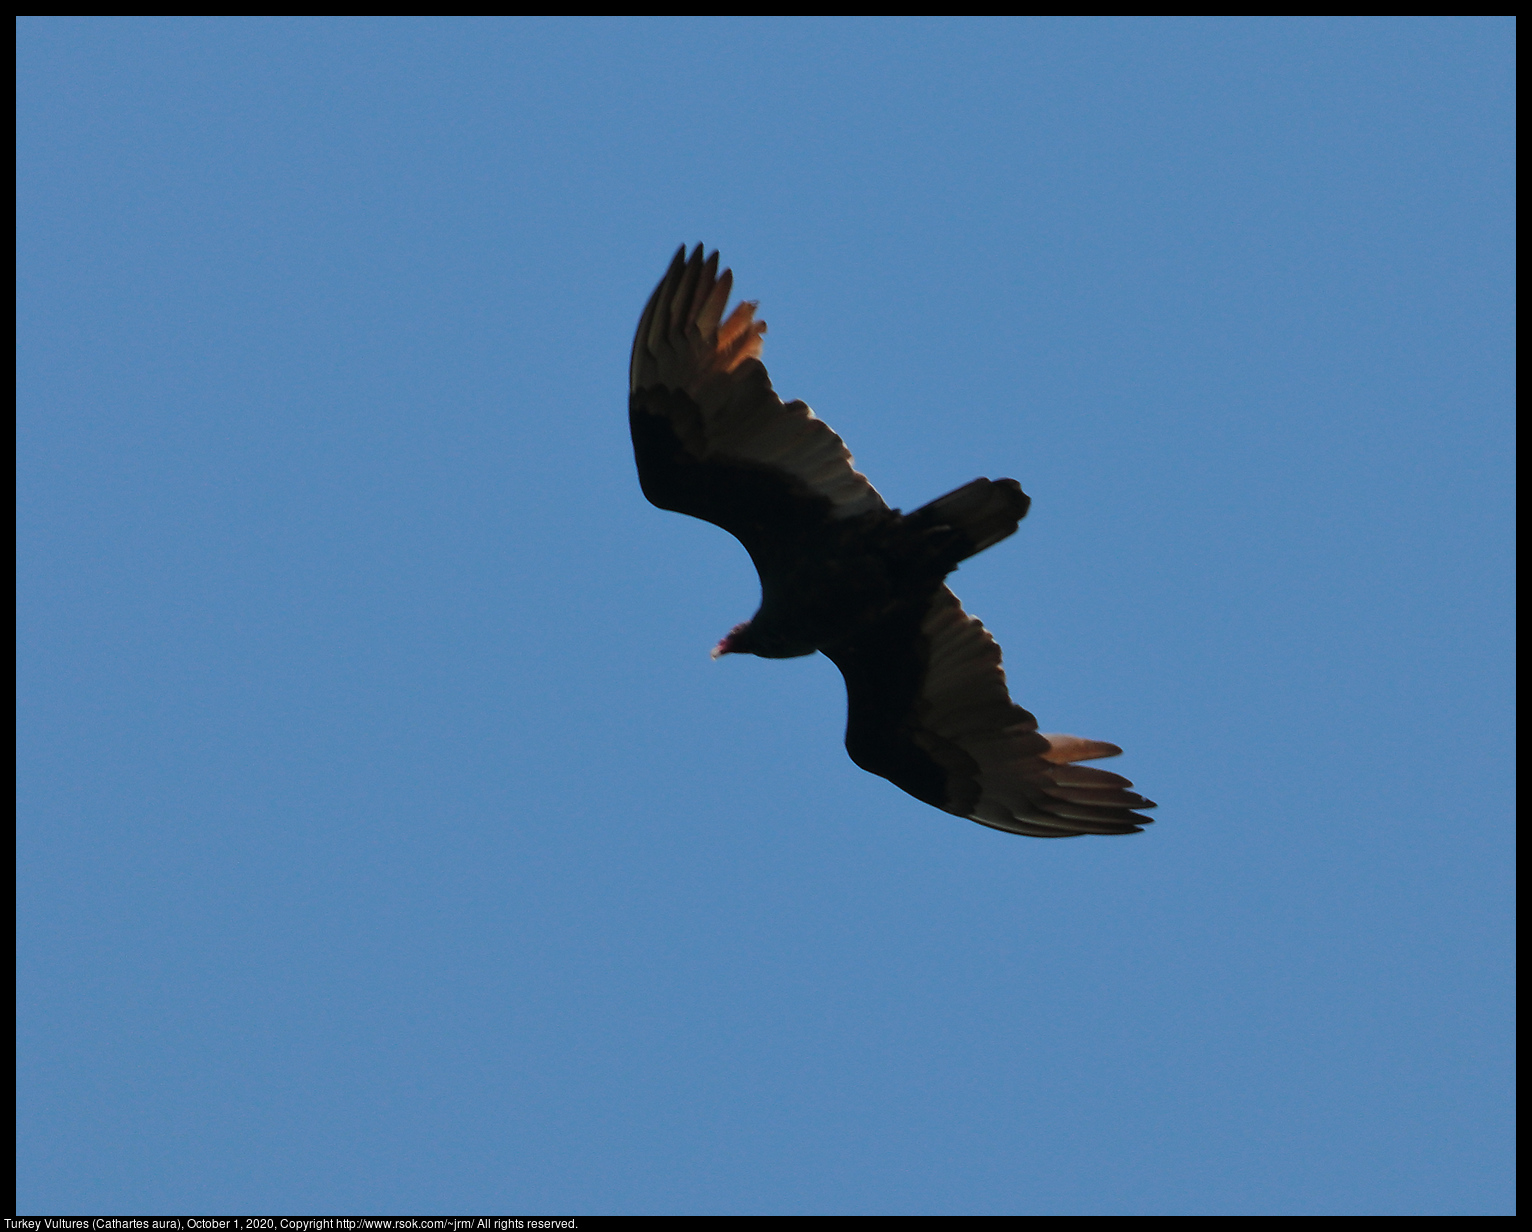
(736, 641)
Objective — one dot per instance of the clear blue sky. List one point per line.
(388, 840)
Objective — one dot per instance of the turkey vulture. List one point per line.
(844, 574)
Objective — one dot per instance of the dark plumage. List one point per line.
(844, 574)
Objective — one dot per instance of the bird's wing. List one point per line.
(929, 711)
(710, 435)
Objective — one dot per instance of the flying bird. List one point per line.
(843, 574)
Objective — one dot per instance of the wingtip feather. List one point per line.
(1064, 749)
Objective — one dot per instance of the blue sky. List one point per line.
(387, 839)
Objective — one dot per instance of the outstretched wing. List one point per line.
(710, 435)
(929, 711)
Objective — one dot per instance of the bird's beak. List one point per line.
(727, 645)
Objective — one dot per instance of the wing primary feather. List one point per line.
(705, 283)
(659, 322)
(711, 311)
(681, 301)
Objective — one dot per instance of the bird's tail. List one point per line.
(978, 515)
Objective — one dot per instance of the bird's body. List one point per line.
(843, 574)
